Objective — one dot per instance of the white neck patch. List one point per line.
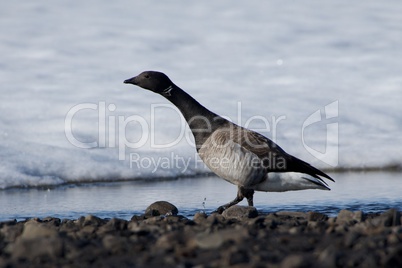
(166, 92)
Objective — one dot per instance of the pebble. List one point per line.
(34, 229)
(240, 237)
(240, 212)
(349, 217)
(161, 208)
(316, 216)
(200, 218)
(296, 261)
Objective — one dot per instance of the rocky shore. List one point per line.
(240, 237)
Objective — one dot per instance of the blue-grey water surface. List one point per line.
(369, 192)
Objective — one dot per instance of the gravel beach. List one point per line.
(240, 237)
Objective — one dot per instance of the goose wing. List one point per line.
(225, 156)
(244, 157)
(274, 158)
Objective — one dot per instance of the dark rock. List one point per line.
(349, 217)
(394, 258)
(164, 242)
(161, 208)
(181, 240)
(292, 214)
(328, 257)
(153, 220)
(112, 226)
(237, 256)
(37, 240)
(350, 238)
(357, 259)
(69, 226)
(370, 261)
(200, 217)
(258, 222)
(115, 244)
(87, 232)
(240, 212)
(284, 239)
(342, 229)
(41, 247)
(52, 221)
(388, 218)
(173, 219)
(138, 218)
(296, 229)
(33, 230)
(117, 224)
(216, 239)
(211, 241)
(80, 221)
(316, 216)
(296, 261)
(11, 232)
(143, 229)
(93, 221)
(395, 237)
(272, 221)
(10, 222)
(215, 219)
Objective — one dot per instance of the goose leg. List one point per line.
(241, 194)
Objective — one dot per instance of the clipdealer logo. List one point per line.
(112, 131)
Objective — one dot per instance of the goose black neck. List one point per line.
(202, 121)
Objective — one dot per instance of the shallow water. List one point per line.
(369, 192)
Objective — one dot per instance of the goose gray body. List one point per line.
(240, 156)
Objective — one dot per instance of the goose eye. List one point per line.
(147, 76)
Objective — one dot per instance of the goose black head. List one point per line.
(154, 81)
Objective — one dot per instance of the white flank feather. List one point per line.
(289, 181)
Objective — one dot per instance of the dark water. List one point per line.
(369, 192)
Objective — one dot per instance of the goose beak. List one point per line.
(130, 81)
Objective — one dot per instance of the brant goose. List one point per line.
(238, 155)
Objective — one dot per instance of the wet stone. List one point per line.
(10, 232)
(218, 238)
(316, 216)
(240, 212)
(296, 261)
(92, 220)
(117, 224)
(394, 239)
(33, 248)
(215, 219)
(328, 257)
(238, 256)
(52, 221)
(138, 218)
(296, 230)
(394, 258)
(33, 230)
(200, 217)
(114, 244)
(5, 223)
(291, 214)
(173, 219)
(153, 220)
(388, 218)
(349, 217)
(351, 238)
(161, 208)
(317, 226)
(271, 221)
